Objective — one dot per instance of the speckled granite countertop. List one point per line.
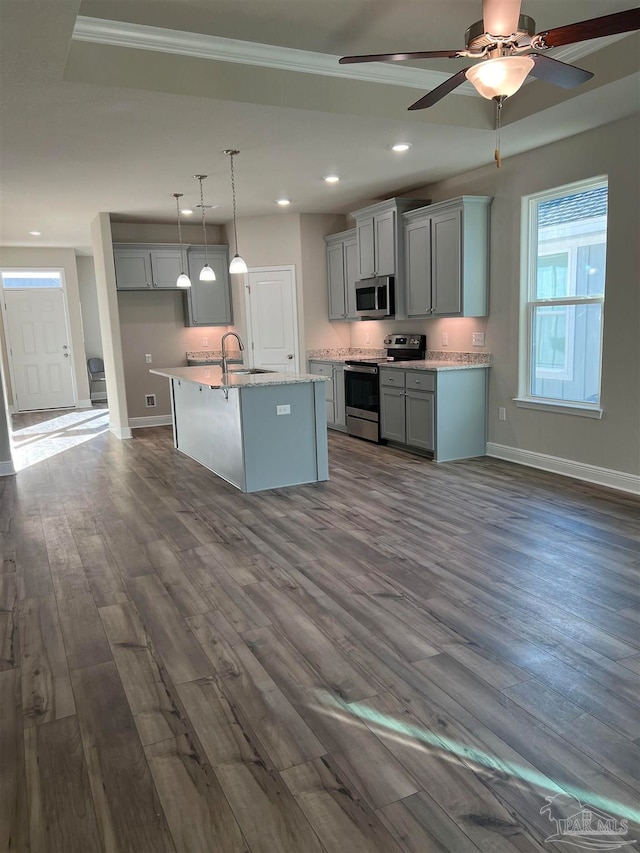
(212, 356)
(214, 378)
(435, 359)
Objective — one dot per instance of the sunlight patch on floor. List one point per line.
(60, 432)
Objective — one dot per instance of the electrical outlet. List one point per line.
(148, 358)
(445, 339)
(205, 342)
(283, 410)
(502, 413)
(477, 339)
(150, 400)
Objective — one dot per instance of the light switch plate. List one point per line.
(477, 339)
(445, 339)
(147, 358)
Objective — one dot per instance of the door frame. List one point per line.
(11, 408)
(247, 310)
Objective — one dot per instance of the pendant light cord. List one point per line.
(233, 193)
(178, 196)
(204, 227)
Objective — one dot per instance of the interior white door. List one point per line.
(40, 354)
(273, 325)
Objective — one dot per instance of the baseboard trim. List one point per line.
(121, 432)
(567, 467)
(7, 469)
(151, 421)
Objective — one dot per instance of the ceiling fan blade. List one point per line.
(440, 91)
(500, 17)
(559, 73)
(607, 25)
(399, 57)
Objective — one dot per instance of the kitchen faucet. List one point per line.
(224, 348)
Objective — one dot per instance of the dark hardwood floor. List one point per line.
(409, 657)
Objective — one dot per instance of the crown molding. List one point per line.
(199, 46)
(202, 46)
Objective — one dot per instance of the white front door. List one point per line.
(39, 349)
(272, 321)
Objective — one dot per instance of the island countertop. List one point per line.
(213, 377)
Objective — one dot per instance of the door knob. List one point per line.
(64, 346)
(289, 356)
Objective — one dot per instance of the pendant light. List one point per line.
(183, 279)
(237, 264)
(206, 273)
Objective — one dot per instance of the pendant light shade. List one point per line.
(206, 273)
(237, 264)
(501, 77)
(183, 279)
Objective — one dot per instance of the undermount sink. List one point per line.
(249, 371)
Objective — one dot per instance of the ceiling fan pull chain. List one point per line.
(496, 154)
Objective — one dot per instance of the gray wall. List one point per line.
(89, 306)
(611, 150)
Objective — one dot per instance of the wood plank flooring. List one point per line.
(405, 659)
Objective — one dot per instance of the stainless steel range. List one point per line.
(362, 386)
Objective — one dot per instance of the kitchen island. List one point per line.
(255, 429)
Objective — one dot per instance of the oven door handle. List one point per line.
(352, 368)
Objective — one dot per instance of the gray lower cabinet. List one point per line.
(334, 390)
(208, 303)
(447, 258)
(147, 267)
(440, 412)
(342, 274)
(407, 413)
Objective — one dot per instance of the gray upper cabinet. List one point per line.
(447, 258)
(380, 242)
(147, 267)
(208, 303)
(342, 273)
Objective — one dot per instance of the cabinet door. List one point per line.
(339, 412)
(133, 269)
(351, 276)
(392, 414)
(385, 243)
(208, 303)
(166, 266)
(418, 267)
(420, 418)
(336, 281)
(366, 252)
(446, 260)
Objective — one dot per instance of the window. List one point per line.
(32, 279)
(563, 297)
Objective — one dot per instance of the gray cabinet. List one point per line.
(407, 408)
(336, 413)
(147, 267)
(342, 274)
(439, 412)
(447, 258)
(208, 303)
(380, 242)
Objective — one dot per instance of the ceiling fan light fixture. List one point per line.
(500, 77)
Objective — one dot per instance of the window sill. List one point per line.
(581, 409)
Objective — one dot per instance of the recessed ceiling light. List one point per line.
(186, 211)
(35, 233)
(283, 202)
(331, 179)
(401, 146)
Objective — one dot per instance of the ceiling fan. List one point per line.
(506, 40)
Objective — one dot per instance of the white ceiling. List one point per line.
(88, 127)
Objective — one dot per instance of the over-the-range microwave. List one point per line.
(375, 297)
